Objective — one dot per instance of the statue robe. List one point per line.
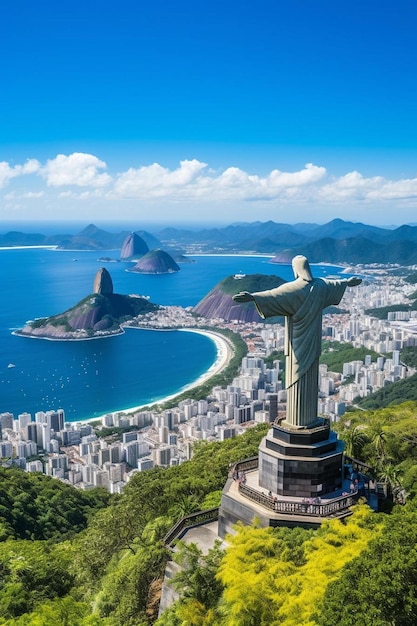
(302, 304)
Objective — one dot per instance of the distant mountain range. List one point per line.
(335, 242)
(90, 238)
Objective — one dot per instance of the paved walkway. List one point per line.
(204, 536)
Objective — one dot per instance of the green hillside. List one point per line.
(90, 559)
(393, 393)
(360, 571)
(249, 282)
(334, 354)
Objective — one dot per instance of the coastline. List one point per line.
(266, 255)
(224, 355)
(27, 247)
(20, 333)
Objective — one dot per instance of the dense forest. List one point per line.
(80, 558)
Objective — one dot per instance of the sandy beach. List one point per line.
(224, 354)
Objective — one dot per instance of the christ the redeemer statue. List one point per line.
(301, 302)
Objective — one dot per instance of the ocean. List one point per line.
(90, 378)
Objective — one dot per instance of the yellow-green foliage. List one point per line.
(267, 586)
(193, 613)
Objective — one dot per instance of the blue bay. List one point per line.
(90, 378)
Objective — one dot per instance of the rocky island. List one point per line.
(133, 246)
(100, 314)
(156, 262)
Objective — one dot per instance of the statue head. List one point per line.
(301, 268)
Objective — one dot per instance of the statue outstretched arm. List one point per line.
(243, 296)
(353, 281)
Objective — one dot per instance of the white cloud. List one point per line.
(81, 195)
(77, 169)
(27, 194)
(32, 166)
(156, 180)
(193, 179)
(310, 174)
(355, 186)
(399, 189)
(351, 185)
(82, 178)
(33, 194)
(7, 172)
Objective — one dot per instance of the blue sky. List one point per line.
(295, 111)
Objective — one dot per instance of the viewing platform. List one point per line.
(243, 500)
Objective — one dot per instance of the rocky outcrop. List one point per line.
(156, 262)
(101, 313)
(151, 241)
(285, 256)
(218, 303)
(133, 246)
(103, 282)
(181, 258)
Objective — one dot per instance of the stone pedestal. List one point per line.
(301, 463)
(297, 481)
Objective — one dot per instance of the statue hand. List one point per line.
(243, 296)
(353, 281)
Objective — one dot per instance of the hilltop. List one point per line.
(99, 314)
(219, 303)
(156, 262)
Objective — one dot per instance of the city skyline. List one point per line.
(222, 113)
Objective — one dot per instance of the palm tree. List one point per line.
(379, 439)
(391, 477)
(354, 439)
(185, 506)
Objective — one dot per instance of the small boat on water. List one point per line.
(11, 365)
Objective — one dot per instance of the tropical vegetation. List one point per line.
(88, 558)
(84, 557)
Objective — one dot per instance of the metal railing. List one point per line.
(313, 507)
(359, 465)
(189, 521)
(247, 465)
